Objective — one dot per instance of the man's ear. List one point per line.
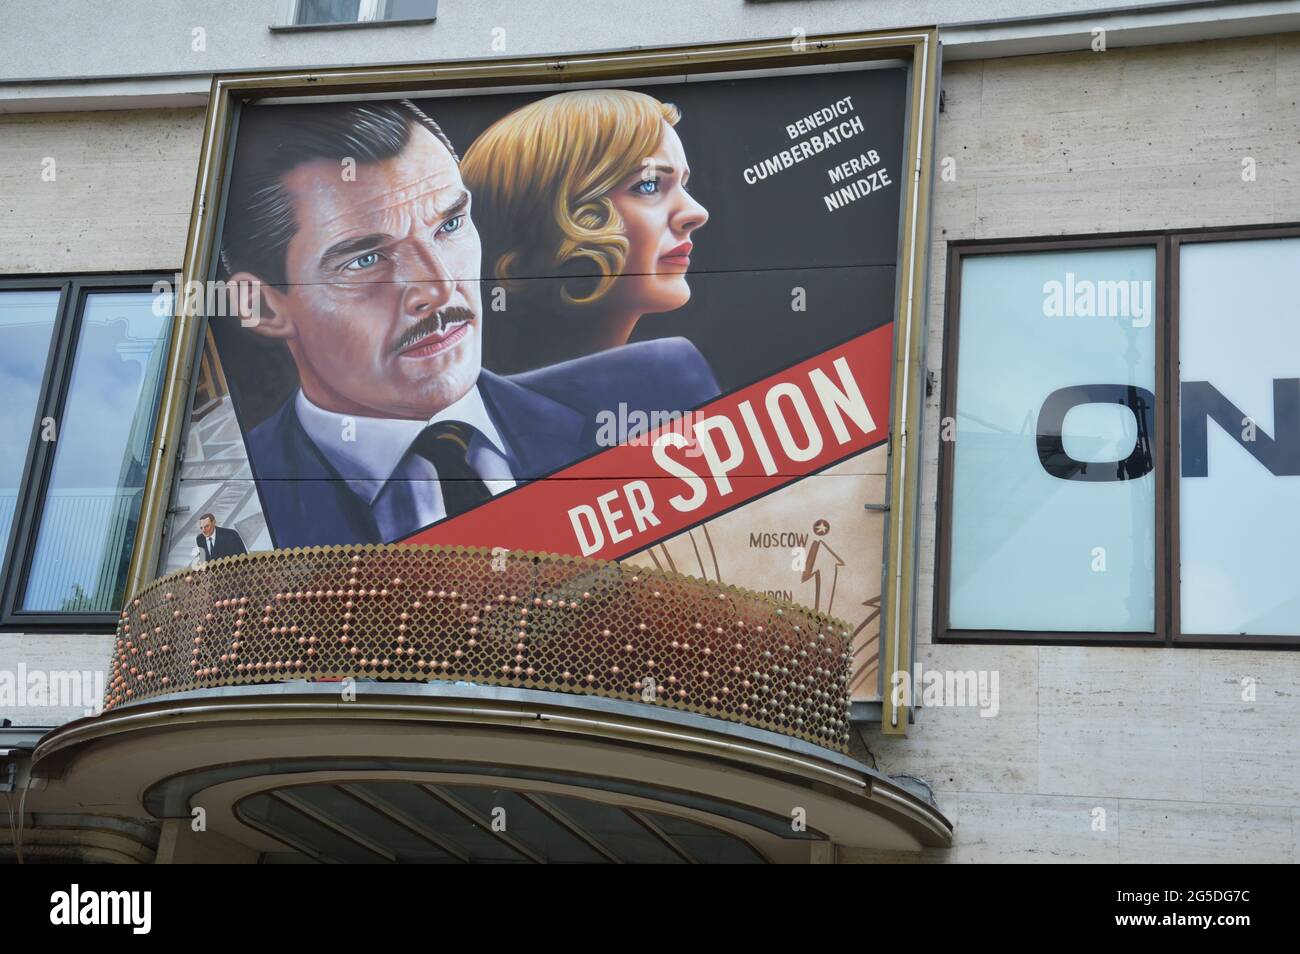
(262, 307)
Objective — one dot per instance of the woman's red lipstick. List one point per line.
(681, 255)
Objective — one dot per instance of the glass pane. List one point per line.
(478, 843)
(303, 832)
(706, 845)
(617, 831)
(1239, 492)
(1053, 513)
(374, 827)
(92, 503)
(26, 326)
(525, 824)
(328, 11)
(317, 12)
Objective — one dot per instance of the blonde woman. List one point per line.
(586, 222)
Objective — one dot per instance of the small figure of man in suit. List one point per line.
(352, 223)
(216, 542)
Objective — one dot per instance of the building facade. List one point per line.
(1038, 554)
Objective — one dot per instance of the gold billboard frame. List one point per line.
(920, 47)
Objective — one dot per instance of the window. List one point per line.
(1045, 536)
(82, 362)
(307, 14)
(27, 320)
(1120, 441)
(1239, 437)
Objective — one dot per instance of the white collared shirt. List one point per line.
(378, 466)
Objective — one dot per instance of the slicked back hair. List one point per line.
(275, 140)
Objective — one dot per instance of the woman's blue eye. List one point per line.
(646, 187)
(453, 224)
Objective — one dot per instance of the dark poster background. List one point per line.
(761, 242)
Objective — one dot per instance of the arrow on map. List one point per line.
(812, 572)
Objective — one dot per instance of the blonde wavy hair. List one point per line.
(541, 178)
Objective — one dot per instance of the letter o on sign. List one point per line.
(1051, 446)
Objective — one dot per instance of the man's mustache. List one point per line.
(433, 324)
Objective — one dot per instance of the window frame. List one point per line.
(288, 12)
(1166, 440)
(20, 547)
(1176, 241)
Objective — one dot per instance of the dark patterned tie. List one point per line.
(446, 446)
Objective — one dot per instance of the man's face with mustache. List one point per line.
(382, 312)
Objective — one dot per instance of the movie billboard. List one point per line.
(651, 323)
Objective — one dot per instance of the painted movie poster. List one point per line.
(649, 323)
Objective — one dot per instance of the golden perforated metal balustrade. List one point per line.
(534, 621)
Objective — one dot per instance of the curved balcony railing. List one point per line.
(535, 621)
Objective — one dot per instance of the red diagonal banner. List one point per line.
(732, 450)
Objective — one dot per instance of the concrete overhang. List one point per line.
(244, 753)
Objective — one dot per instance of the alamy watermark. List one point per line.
(210, 299)
(74, 907)
(635, 427)
(59, 689)
(1129, 299)
(937, 688)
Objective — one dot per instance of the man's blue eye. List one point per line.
(646, 187)
(365, 261)
(453, 225)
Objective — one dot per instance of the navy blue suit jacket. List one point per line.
(548, 419)
(226, 542)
